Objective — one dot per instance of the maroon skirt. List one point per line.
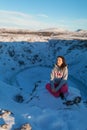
(63, 89)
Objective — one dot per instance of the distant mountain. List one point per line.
(53, 30)
(78, 30)
(10, 35)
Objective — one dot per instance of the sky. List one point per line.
(41, 14)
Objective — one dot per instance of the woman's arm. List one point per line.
(52, 75)
(52, 79)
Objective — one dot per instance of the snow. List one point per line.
(25, 69)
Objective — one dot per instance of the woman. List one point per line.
(58, 82)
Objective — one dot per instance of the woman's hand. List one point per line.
(53, 90)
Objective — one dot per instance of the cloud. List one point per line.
(42, 15)
(79, 24)
(12, 19)
(73, 24)
(80, 21)
(21, 20)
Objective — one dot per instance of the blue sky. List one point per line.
(40, 14)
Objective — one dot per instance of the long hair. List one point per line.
(64, 62)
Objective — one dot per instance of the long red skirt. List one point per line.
(63, 89)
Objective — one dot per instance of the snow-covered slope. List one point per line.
(25, 69)
(18, 55)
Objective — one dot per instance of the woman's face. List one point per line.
(59, 61)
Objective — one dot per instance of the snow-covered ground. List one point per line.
(25, 69)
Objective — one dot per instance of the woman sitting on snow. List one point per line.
(58, 82)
